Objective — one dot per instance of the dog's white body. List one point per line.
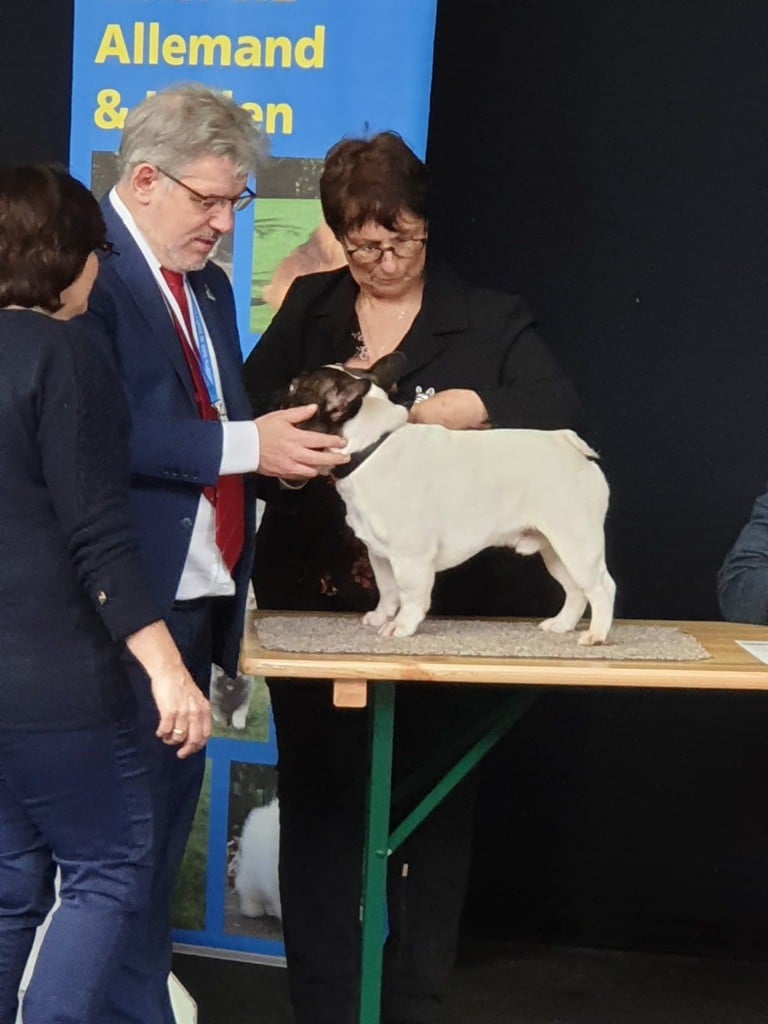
(256, 877)
(430, 498)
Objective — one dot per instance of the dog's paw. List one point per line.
(589, 639)
(403, 631)
(375, 618)
(555, 625)
(395, 629)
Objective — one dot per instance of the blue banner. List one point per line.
(310, 72)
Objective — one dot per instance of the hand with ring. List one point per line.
(184, 715)
(455, 408)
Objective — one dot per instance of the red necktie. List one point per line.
(227, 496)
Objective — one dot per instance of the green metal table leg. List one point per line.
(510, 707)
(492, 731)
(378, 842)
(374, 896)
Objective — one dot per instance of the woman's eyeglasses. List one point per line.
(371, 252)
(214, 204)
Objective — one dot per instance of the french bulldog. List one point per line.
(425, 498)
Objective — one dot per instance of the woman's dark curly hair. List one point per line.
(49, 223)
(374, 179)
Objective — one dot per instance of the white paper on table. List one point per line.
(757, 648)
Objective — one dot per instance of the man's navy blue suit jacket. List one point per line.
(174, 454)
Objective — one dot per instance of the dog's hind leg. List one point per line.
(389, 596)
(575, 601)
(582, 556)
(414, 581)
(601, 598)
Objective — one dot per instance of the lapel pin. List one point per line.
(209, 294)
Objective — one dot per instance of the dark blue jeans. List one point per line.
(140, 994)
(78, 799)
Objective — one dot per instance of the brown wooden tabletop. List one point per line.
(728, 667)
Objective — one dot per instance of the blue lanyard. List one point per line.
(206, 364)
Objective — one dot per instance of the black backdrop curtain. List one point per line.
(608, 159)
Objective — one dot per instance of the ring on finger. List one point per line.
(178, 732)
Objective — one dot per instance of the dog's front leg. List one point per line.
(415, 580)
(389, 600)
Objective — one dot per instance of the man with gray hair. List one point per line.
(168, 316)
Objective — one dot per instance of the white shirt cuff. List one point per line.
(240, 448)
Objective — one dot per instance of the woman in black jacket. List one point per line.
(73, 791)
(473, 360)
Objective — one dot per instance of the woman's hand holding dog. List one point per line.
(455, 408)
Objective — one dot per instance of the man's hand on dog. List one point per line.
(455, 408)
(288, 452)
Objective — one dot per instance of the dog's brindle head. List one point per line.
(339, 393)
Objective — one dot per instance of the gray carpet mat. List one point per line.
(484, 638)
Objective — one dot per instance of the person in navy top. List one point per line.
(742, 582)
(74, 608)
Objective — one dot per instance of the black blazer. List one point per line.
(71, 585)
(463, 337)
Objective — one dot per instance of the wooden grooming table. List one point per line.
(369, 679)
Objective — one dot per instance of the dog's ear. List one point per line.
(284, 397)
(388, 370)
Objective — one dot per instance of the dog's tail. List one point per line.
(579, 444)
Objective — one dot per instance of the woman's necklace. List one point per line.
(361, 352)
(380, 334)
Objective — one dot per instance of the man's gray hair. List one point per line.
(183, 123)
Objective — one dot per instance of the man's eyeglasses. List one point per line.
(369, 253)
(214, 204)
